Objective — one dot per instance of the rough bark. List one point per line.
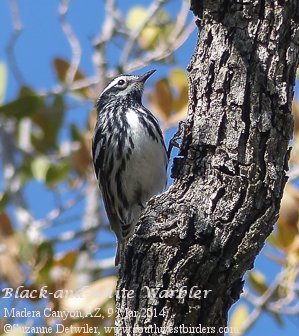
(207, 229)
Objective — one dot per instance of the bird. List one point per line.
(129, 154)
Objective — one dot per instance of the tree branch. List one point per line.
(17, 30)
(72, 40)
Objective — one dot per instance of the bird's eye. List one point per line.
(121, 82)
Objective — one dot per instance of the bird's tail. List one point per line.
(127, 227)
(121, 245)
(118, 254)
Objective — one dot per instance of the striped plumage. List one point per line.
(129, 154)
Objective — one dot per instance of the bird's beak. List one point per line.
(144, 77)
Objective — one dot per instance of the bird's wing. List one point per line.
(98, 149)
(112, 215)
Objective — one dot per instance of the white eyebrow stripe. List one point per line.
(115, 81)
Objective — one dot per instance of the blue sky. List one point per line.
(41, 41)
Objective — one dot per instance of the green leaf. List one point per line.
(178, 78)
(25, 171)
(4, 199)
(40, 167)
(135, 17)
(22, 107)
(258, 281)
(26, 247)
(57, 173)
(45, 252)
(76, 133)
(49, 121)
(277, 317)
(239, 316)
(157, 29)
(44, 261)
(3, 81)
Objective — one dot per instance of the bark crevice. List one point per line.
(206, 230)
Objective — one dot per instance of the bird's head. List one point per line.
(124, 87)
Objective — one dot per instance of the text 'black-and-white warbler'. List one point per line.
(129, 154)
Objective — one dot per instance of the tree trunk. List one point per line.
(206, 230)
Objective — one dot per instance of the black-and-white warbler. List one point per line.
(129, 154)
